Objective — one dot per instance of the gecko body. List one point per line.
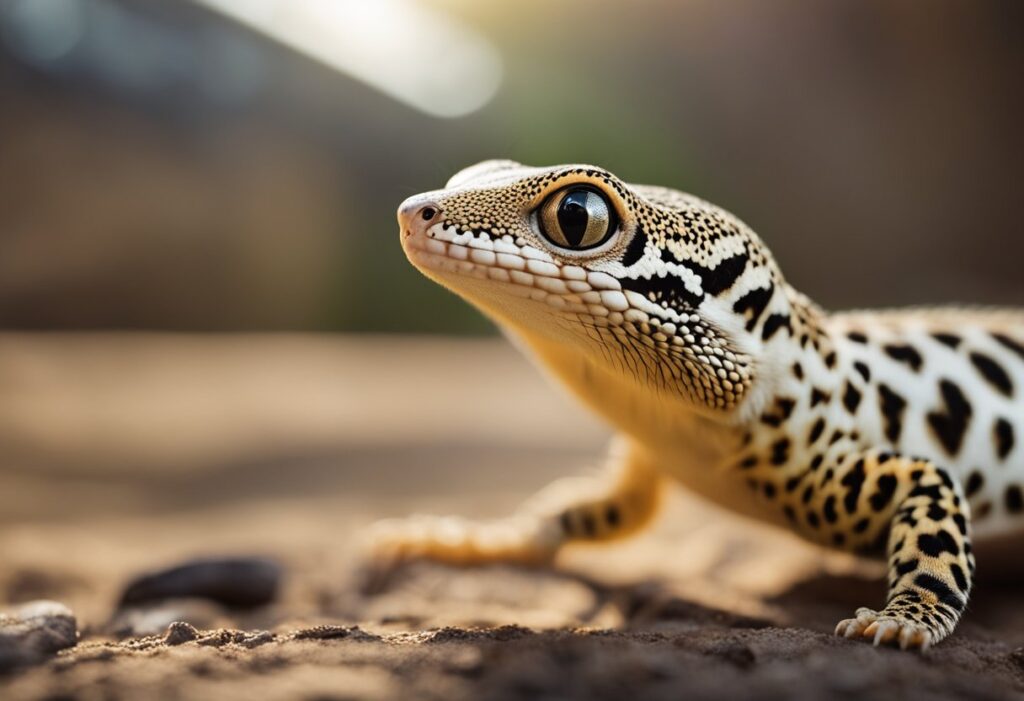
(888, 434)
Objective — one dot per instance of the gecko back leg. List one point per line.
(604, 507)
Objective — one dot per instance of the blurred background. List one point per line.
(236, 164)
(211, 337)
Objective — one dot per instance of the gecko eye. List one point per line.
(577, 218)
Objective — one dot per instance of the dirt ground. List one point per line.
(123, 454)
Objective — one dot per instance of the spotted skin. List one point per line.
(878, 433)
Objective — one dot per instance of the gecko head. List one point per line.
(654, 285)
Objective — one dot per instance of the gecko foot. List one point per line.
(881, 627)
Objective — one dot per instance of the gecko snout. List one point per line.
(416, 215)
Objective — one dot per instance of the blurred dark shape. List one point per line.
(238, 582)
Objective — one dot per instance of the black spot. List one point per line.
(798, 371)
(853, 481)
(975, 481)
(785, 406)
(836, 435)
(851, 398)
(566, 522)
(905, 354)
(612, 516)
(958, 577)
(863, 369)
(861, 525)
(808, 493)
(886, 486)
(780, 451)
(754, 302)
(932, 491)
(949, 543)
(892, 406)
(936, 512)
(1009, 343)
(781, 410)
(838, 538)
(667, 290)
(951, 424)
(947, 339)
(933, 545)
(830, 360)
(857, 337)
(722, 277)
(769, 490)
(911, 596)
(635, 250)
(961, 525)
(1003, 431)
(819, 397)
(773, 323)
(748, 462)
(813, 520)
(939, 588)
(1014, 499)
(793, 482)
(816, 431)
(829, 510)
(946, 479)
(906, 567)
(993, 372)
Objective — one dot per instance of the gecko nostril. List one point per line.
(417, 215)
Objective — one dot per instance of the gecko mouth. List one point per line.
(566, 287)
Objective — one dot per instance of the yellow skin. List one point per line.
(669, 318)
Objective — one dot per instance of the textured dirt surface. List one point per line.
(113, 468)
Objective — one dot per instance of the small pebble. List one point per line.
(180, 632)
(154, 619)
(34, 631)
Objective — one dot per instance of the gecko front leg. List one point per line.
(607, 506)
(916, 512)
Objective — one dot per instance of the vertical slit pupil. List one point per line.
(573, 217)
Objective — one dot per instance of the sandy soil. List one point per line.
(119, 455)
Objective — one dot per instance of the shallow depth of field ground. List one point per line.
(122, 454)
